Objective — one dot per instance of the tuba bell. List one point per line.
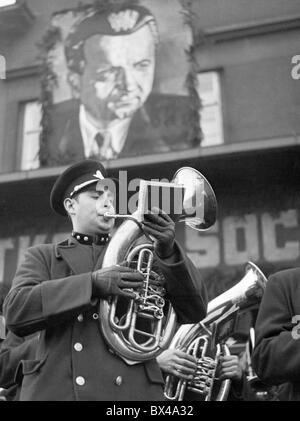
(139, 329)
(200, 340)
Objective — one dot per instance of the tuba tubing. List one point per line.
(116, 251)
(199, 212)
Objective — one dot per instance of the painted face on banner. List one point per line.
(118, 74)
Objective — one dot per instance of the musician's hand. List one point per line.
(177, 363)
(161, 227)
(156, 280)
(115, 280)
(230, 368)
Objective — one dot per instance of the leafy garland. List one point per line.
(49, 78)
(48, 81)
(191, 82)
(199, 39)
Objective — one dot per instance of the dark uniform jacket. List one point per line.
(165, 123)
(14, 349)
(52, 292)
(276, 355)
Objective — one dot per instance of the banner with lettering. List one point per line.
(269, 239)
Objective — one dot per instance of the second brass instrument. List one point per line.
(196, 340)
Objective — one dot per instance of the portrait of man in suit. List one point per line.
(111, 59)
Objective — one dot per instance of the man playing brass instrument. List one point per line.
(183, 366)
(57, 290)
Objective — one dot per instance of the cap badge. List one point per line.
(123, 21)
(98, 175)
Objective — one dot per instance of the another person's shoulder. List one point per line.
(293, 273)
(285, 277)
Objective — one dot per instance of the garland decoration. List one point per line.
(199, 39)
(48, 82)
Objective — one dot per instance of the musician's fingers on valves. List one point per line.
(115, 280)
(178, 363)
(155, 278)
(129, 281)
(230, 368)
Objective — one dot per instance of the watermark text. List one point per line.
(2, 67)
(296, 329)
(143, 196)
(295, 72)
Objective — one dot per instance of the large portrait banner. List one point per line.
(118, 82)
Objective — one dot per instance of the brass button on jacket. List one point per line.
(80, 380)
(78, 347)
(119, 380)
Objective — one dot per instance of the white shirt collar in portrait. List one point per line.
(115, 134)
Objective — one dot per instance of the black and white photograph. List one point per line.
(150, 203)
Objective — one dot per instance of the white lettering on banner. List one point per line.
(239, 252)
(24, 242)
(231, 242)
(5, 245)
(204, 251)
(269, 237)
(272, 252)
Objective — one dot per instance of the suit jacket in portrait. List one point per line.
(52, 293)
(276, 354)
(165, 123)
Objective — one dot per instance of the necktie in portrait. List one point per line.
(104, 144)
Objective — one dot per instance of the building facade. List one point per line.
(245, 68)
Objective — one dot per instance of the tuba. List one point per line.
(204, 340)
(139, 329)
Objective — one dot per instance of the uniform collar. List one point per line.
(100, 239)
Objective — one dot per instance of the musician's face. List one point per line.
(89, 209)
(118, 74)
